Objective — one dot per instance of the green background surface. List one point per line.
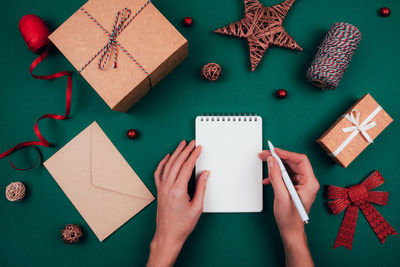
(30, 229)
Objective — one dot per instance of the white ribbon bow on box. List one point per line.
(354, 118)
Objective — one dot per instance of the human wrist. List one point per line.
(164, 251)
(160, 240)
(295, 241)
(297, 253)
(293, 232)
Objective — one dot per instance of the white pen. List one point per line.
(289, 185)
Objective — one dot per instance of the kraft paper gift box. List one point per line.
(355, 130)
(121, 55)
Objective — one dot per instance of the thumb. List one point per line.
(274, 173)
(198, 198)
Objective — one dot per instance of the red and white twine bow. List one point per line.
(119, 21)
(122, 20)
(353, 198)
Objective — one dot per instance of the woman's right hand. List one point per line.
(290, 225)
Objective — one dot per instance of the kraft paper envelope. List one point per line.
(98, 181)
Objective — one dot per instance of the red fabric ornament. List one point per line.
(281, 93)
(35, 33)
(132, 134)
(187, 22)
(385, 11)
(359, 197)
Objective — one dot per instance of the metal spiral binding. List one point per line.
(229, 117)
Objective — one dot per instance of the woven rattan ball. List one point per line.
(71, 233)
(211, 71)
(15, 191)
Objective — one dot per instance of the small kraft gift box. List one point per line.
(122, 48)
(355, 130)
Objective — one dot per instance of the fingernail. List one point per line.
(205, 175)
(270, 161)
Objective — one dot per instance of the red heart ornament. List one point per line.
(35, 33)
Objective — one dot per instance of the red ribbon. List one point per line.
(42, 141)
(353, 198)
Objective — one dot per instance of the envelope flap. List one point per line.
(111, 171)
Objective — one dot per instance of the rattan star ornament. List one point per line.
(262, 27)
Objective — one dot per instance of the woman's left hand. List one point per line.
(177, 214)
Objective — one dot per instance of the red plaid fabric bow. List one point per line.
(353, 198)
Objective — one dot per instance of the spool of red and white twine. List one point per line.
(334, 55)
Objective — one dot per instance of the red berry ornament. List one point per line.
(132, 134)
(187, 22)
(385, 11)
(281, 93)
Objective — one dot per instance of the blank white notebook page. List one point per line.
(230, 147)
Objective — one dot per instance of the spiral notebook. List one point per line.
(230, 147)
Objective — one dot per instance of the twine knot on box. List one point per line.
(211, 71)
(15, 191)
(121, 21)
(71, 233)
(359, 197)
